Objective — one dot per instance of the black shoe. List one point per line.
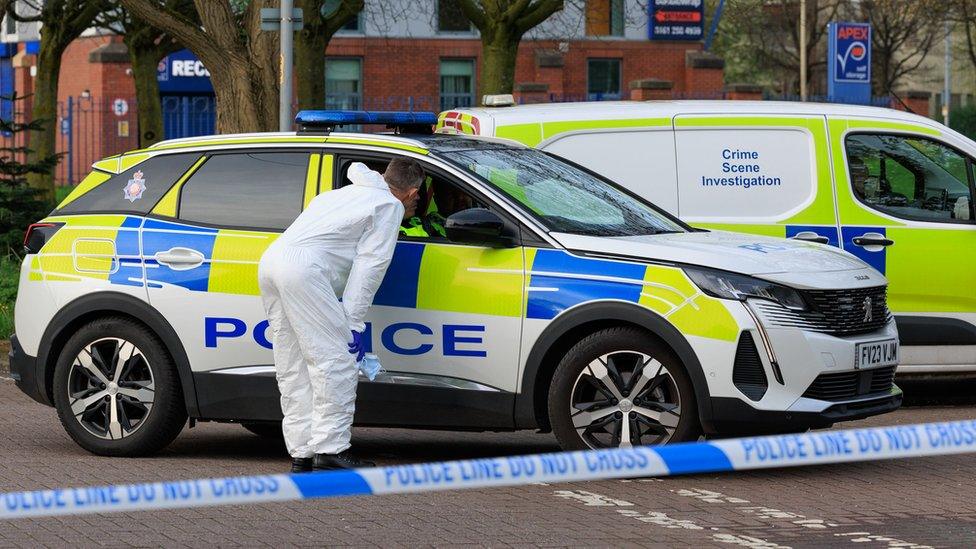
(301, 465)
(326, 462)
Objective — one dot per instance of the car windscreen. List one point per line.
(562, 196)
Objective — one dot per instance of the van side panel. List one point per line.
(764, 175)
(641, 160)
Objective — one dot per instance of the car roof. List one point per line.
(549, 112)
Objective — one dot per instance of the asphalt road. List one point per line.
(905, 503)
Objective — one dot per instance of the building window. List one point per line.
(10, 25)
(354, 25)
(450, 18)
(343, 84)
(457, 83)
(603, 79)
(605, 17)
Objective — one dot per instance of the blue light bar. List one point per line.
(328, 119)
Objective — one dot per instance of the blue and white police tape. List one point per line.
(822, 447)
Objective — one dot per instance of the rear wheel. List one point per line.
(620, 388)
(117, 391)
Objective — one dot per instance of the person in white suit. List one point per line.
(341, 245)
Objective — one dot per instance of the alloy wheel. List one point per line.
(625, 399)
(111, 388)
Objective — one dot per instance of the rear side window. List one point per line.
(910, 177)
(261, 190)
(135, 190)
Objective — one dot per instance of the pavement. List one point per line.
(897, 504)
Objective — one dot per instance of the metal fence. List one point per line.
(89, 129)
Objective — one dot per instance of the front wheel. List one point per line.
(620, 388)
(117, 391)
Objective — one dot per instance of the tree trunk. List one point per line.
(498, 54)
(149, 105)
(45, 109)
(243, 103)
(310, 68)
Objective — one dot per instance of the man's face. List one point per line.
(409, 199)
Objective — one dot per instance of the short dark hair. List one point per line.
(403, 173)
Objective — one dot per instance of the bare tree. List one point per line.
(311, 44)
(769, 34)
(242, 60)
(502, 23)
(963, 12)
(61, 23)
(147, 46)
(902, 35)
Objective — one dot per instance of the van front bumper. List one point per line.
(23, 370)
(732, 416)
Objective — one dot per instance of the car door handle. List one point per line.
(179, 259)
(872, 240)
(810, 236)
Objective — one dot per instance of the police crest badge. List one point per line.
(135, 187)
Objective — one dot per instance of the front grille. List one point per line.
(847, 385)
(835, 312)
(747, 372)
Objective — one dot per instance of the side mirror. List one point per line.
(479, 227)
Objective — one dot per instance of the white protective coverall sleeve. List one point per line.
(373, 254)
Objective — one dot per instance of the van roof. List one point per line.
(551, 112)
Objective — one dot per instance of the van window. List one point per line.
(641, 161)
(738, 173)
(910, 177)
(146, 182)
(261, 190)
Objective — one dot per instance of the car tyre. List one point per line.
(117, 391)
(604, 393)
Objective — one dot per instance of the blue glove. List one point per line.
(356, 347)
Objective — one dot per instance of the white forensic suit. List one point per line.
(340, 245)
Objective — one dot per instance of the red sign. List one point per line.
(663, 16)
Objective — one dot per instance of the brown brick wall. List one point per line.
(410, 67)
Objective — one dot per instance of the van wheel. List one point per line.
(117, 391)
(620, 388)
(265, 430)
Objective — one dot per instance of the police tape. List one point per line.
(900, 441)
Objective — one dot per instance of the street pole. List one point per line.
(803, 50)
(287, 38)
(947, 90)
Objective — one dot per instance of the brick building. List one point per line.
(425, 58)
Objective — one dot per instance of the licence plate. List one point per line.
(876, 353)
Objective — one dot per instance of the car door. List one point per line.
(447, 317)
(906, 208)
(202, 249)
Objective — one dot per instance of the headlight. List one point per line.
(740, 287)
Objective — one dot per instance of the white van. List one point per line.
(893, 188)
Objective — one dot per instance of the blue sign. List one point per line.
(183, 73)
(849, 62)
(676, 19)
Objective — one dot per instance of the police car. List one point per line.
(893, 188)
(542, 296)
